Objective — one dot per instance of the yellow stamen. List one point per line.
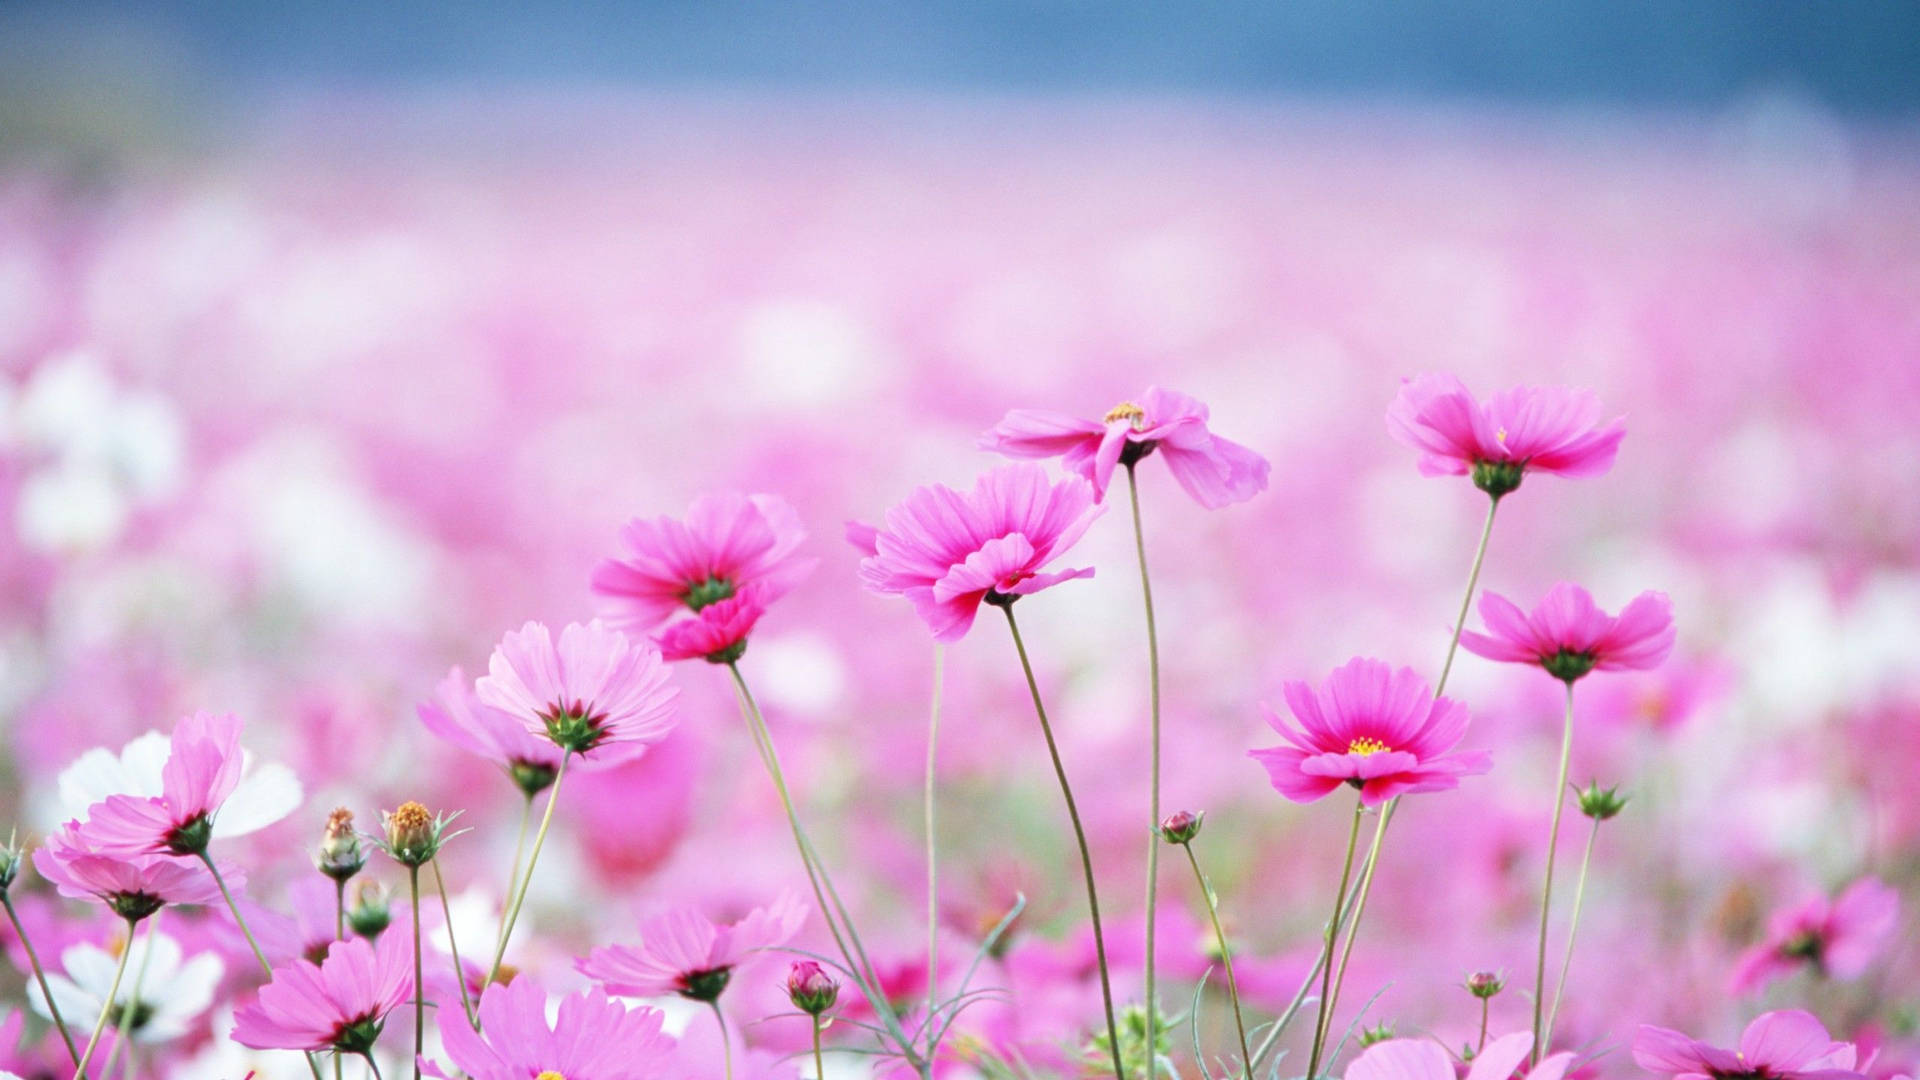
(549, 1075)
(1365, 746)
(1127, 411)
(1500, 436)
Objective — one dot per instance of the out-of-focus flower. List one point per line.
(591, 1037)
(1215, 471)
(683, 952)
(371, 912)
(718, 632)
(263, 794)
(1424, 1059)
(170, 995)
(946, 552)
(1569, 635)
(810, 988)
(1601, 804)
(1379, 730)
(594, 693)
(1838, 939)
(1789, 1044)
(340, 1004)
(1520, 430)
(134, 886)
(724, 544)
(308, 933)
(201, 772)
(457, 715)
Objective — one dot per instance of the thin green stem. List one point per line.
(513, 872)
(1333, 931)
(1153, 803)
(113, 993)
(339, 934)
(1226, 957)
(419, 975)
(933, 863)
(453, 946)
(533, 858)
(1279, 1025)
(313, 1064)
(1486, 1006)
(122, 1028)
(819, 1063)
(1466, 602)
(1546, 888)
(1566, 961)
(372, 1066)
(1361, 892)
(726, 1041)
(40, 975)
(1080, 838)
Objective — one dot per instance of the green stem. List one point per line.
(1279, 1026)
(1080, 838)
(113, 992)
(1466, 602)
(371, 1065)
(1546, 888)
(1361, 892)
(726, 1042)
(419, 979)
(40, 975)
(533, 858)
(1486, 1005)
(819, 1063)
(1153, 820)
(513, 872)
(459, 973)
(1226, 957)
(1579, 898)
(122, 1028)
(1333, 931)
(339, 934)
(933, 896)
(313, 1065)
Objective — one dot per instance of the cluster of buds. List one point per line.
(1601, 803)
(1182, 826)
(810, 988)
(413, 834)
(340, 855)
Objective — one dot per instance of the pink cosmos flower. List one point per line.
(725, 543)
(683, 952)
(339, 1004)
(134, 886)
(457, 715)
(1215, 471)
(1789, 1044)
(202, 769)
(1524, 429)
(592, 1037)
(1838, 938)
(1569, 635)
(1423, 1059)
(946, 551)
(718, 632)
(1379, 730)
(594, 693)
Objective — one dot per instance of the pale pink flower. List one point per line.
(683, 952)
(594, 693)
(457, 715)
(1838, 938)
(1789, 1044)
(591, 1037)
(202, 769)
(1215, 471)
(725, 543)
(946, 551)
(718, 632)
(1373, 728)
(134, 886)
(339, 1004)
(1424, 1059)
(1569, 635)
(1523, 429)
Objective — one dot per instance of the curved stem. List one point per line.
(1333, 931)
(1226, 958)
(1153, 802)
(933, 881)
(419, 980)
(513, 871)
(1486, 1005)
(113, 993)
(453, 946)
(1080, 838)
(371, 1065)
(726, 1042)
(1573, 927)
(533, 858)
(1546, 888)
(40, 975)
(819, 1064)
(1466, 602)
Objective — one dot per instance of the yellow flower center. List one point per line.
(1500, 436)
(549, 1075)
(1365, 746)
(1129, 412)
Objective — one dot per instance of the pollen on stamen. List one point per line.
(549, 1075)
(1365, 746)
(1127, 411)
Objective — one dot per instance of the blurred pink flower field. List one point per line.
(297, 425)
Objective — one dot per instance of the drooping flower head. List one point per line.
(134, 886)
(1215, 471)
(1373, 728)
(947, 551)
(718, 632)
(591, 1037)
(457, 715)
(1789, 1044)
(683, 952)
(724, 544)
(1549, 429)
(1837, 938)
(202, 770)
(1424, 1059)
(593, 693)
(1569, 635)
(339, 1004)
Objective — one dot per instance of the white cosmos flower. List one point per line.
(266, 792)
(168, 992)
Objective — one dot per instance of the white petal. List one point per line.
(268, 794)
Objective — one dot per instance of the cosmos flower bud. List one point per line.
(1182, 826)
(1378, 1033)
(810, 988)
(1601, 803)
(340, 855)
(1485, 984)
(368, 917)
(10, 859)
(414, 836)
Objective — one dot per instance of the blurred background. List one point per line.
(339, 338)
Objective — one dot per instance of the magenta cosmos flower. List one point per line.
(1215, 471)
(724, 544)
(1838, 938)
(457, 715)
(1524, 429)
(1423, 1059)
(717, 633)
(1786, 1045)
(339, 1004)
(683, 952)
(1569, 635)
(593, 693)
(1373, 728)
(946, 551)
(134, 886)
(202, 769)
(591, 1037)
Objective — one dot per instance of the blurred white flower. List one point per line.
(266, 792)
(167, 992)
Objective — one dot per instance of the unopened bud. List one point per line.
(1601, 803)
(368, 917)
(1485, 984)
(1378, 1033)
(414, 835)
(340, 855)
(1182, 826)
(11, 857)
(810, 988)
